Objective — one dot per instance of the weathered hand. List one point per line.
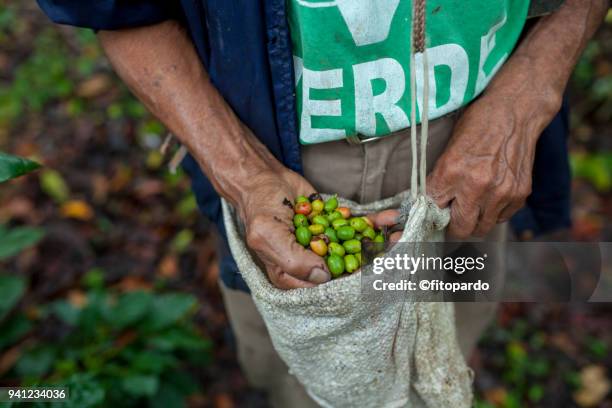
(484, 174)
(269, 230)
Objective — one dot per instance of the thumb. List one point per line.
(288, 264)
(386, 218)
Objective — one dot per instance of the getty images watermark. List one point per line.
(489, 271)
(413, 264)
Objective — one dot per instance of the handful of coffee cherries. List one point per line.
(333, 233)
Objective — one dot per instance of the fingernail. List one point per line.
(318, 275)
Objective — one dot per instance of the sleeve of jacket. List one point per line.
(109, 14)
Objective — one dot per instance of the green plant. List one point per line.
(13, 166)
(115, 348)
(13, 240)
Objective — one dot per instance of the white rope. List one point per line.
(418, 181)
(413, 129)
(424, 123)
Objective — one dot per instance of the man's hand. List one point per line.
(484, 175)
(161, 67)
(485, 172)
(269, 231)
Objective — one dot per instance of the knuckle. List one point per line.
(480, 181)
(524, 192)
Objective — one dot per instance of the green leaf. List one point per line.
(66, 312)
(179, 338)
(36, 362)
(130, 308)
(53, 184)
(14, 329)
(182, 381)
(85, 391)
(13, 166)
(169, 308)
(13, 240)
(11, 290)
(140, 385)
(535, 393)
(149, 362)
(167, 396)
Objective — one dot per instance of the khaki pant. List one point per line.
(363, 173)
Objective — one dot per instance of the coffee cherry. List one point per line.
(318, 246)
(336, 249)
(320, 219)
(352, 246)
(351, 264)
(303, 207)
(345, 211)
(334, 215)
(358, 223)
(369, 233)
(335, 263)
(345, 233)
(300, 220)
(331, 204)
(340, 222)
(318, 205)
(303, 235)
(316, 229)
(301, 199)
(331, 234)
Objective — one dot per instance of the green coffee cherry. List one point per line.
(352, 246)
(331, 234)
(316, 229)
(331, 204)
(318, 205)
(301, 199)
(303, 235)
(358, 237)
(335, 263)
(300, 220)
(369, 233)
(359, 259)
(358, 223)
(379, 238)
(345, 233)
(335, 248)
(334, 215)
(320, 219)
(351, 264)
(340, 222)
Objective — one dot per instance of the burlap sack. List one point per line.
(348, 352)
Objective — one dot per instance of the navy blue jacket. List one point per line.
(246, 49)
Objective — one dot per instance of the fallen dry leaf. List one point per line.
(168, 267)
(77, 209)
(595, 385)
(496, 396)
(223, 401)
(94, 86)
(132, 283)
(77, 298)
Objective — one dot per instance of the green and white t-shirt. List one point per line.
(352, 60)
